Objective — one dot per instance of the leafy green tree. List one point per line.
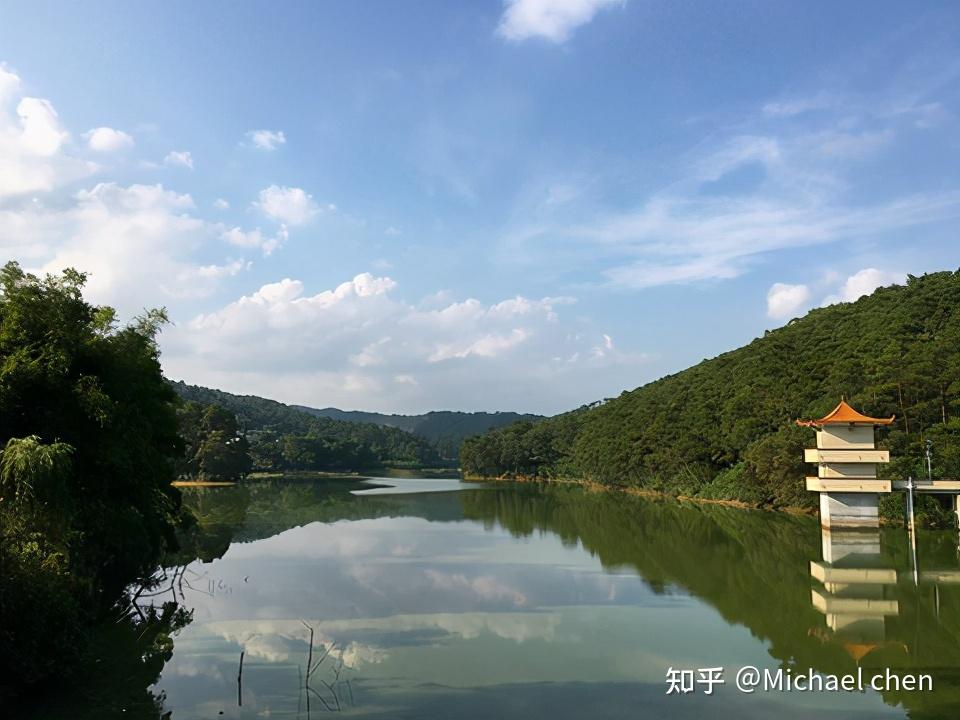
(89, 436)
(215, 447)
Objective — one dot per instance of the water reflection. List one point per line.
(533, 602)
(884, 613)
(855, 590)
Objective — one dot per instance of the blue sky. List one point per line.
(525, 205)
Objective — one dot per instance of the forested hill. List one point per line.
(388, 445)
(444, 428)
(725, 427)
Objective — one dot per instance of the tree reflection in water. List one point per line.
(829, 602)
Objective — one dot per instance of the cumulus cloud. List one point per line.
(131, 240)
(358, 345)
(105, 139)
(554, 20)
(33, 143)
(863, 283)
(290, 205)
(179, 158)
(137, 242)
(785, 301)
(266, 139)
(221, 204)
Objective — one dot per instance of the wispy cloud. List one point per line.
(766, 183)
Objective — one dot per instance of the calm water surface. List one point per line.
(434, 599)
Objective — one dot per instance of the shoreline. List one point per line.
(593, 486)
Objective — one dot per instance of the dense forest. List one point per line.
(88, 443)
(444, 429)
(229, 435)
(725, 428)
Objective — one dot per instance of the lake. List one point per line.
(438, 599)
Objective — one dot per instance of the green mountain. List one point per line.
(725, 427)
(445, 429)
(388, 445)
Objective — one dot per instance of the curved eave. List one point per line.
(843, 414)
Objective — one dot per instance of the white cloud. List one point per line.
(359, 345)
(489, 345)
(554, 20)
(686, 240)
(863, 283)
(739, 151)
(105, 139)
(796, 172)
(33, 143)
(704, 228)
(138, 243)
(221, 204)
(484, 587)
(796, 106)
(854, 144)
(179, 158)
(266, 139)
(131, 240)
(785, 301)
(255, 239)
(290, 205)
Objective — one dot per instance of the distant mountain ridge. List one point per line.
(253, 413)
(446, 429)
(422, 437)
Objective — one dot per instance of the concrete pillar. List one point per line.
(849, 510)
(844, 548)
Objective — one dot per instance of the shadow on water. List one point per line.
(439, 584)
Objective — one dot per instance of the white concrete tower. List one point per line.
(847, 459)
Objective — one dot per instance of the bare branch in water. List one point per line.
(240, 682)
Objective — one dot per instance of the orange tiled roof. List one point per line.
(844, 414)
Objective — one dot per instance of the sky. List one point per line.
(522, 205)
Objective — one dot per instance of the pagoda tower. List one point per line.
(847, 459)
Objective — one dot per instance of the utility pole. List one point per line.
(913, 531)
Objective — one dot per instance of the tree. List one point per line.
(89, 432)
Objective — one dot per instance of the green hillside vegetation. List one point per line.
(725, 428)
(445, 429)
(281, 438)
